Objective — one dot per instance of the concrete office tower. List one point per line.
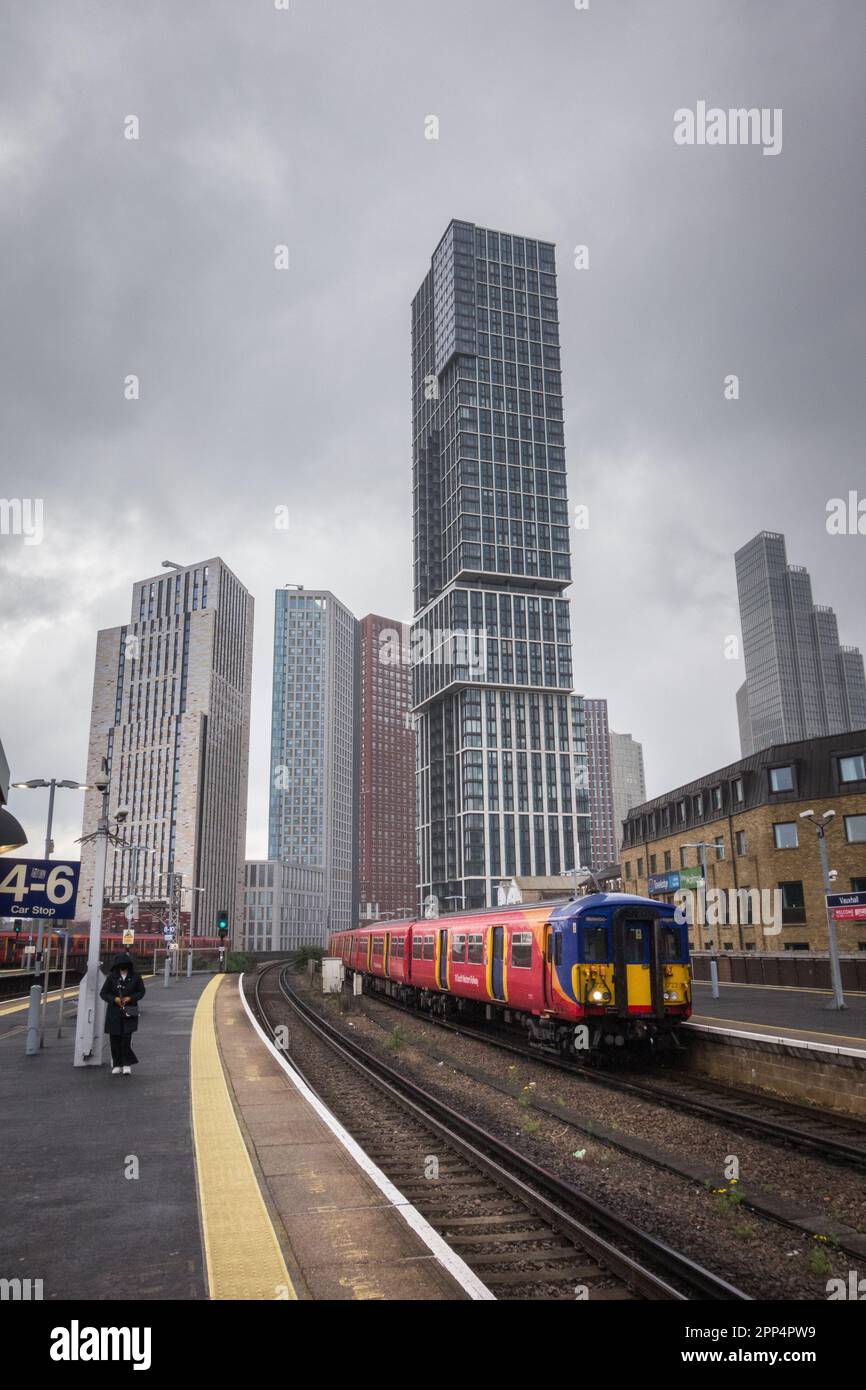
(387, 840)
(314, 745)
(627, 776)
(497, 790)
(171, 713)
(800, 683)
(603, 827)
(284, 906)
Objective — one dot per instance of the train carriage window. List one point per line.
(417, 945)
(557, 948)
(669, 943)
(378, 945)
(476, 948)
(428, 947)
(634, 943)
(458, 947)
(595, 944)
(397, 948)
(521, 950)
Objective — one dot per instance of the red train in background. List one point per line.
(13, 952)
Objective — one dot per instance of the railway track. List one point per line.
(781, 1122)
(523, 1231)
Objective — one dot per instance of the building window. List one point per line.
(796, 945)
(855, 830)
(699, 805)
(852, 769)
(719, 843)
(667, 858)
(741, 841)
(782, 779)
(793, 904)
(653, 863)
(684, 858)
(737, 788)
(640, 866)
(858, 885)
(628, 868)
(717, 798)
(681, 811)
(785, 834)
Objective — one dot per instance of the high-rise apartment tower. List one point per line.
(501, 788)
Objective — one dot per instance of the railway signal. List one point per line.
(223, 923)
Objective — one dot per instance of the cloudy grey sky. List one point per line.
(261, 388)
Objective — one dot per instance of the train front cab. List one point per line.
(631, 976)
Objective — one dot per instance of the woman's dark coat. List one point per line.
(132, 988)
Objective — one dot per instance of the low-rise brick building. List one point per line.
(748, 814)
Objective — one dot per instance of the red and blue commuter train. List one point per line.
(606, 969)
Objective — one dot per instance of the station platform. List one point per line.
(800, 1014)
(209, 1173)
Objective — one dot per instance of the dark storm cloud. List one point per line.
(262, 388)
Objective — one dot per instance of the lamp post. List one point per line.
(87, 1054)
(36, 1009)
(821, 823)
(702, 846)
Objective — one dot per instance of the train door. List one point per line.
(387, 955)
(549, 964)
(369, 953)
(442, 979)
(497, 972)
(636, 961)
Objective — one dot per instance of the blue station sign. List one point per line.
(46, 888)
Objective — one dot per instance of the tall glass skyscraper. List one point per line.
(501, 758)
(314, 745)
(800, 683)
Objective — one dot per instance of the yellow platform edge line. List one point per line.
(243, 1257)
(52, 997)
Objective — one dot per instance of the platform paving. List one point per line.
(799, 1011)
(343, 1240)
(71, 1215)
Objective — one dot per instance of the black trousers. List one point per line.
(122, 1054)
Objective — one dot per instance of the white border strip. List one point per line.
(803, 1043)
(441, 1251)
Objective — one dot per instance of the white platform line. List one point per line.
(802, 1043)
(442, 1252)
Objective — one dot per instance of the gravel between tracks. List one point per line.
(760, 1256)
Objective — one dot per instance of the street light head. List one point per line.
(807, 815)
(34, 782)
(171, 565)
(828, 815)
(73, 786)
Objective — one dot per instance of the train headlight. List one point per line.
(596, 996)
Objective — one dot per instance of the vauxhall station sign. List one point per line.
(847, 907)
(45, 888)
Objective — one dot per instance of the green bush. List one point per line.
(305, 953)
(238, 962)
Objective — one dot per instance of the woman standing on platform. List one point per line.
(122, 991)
